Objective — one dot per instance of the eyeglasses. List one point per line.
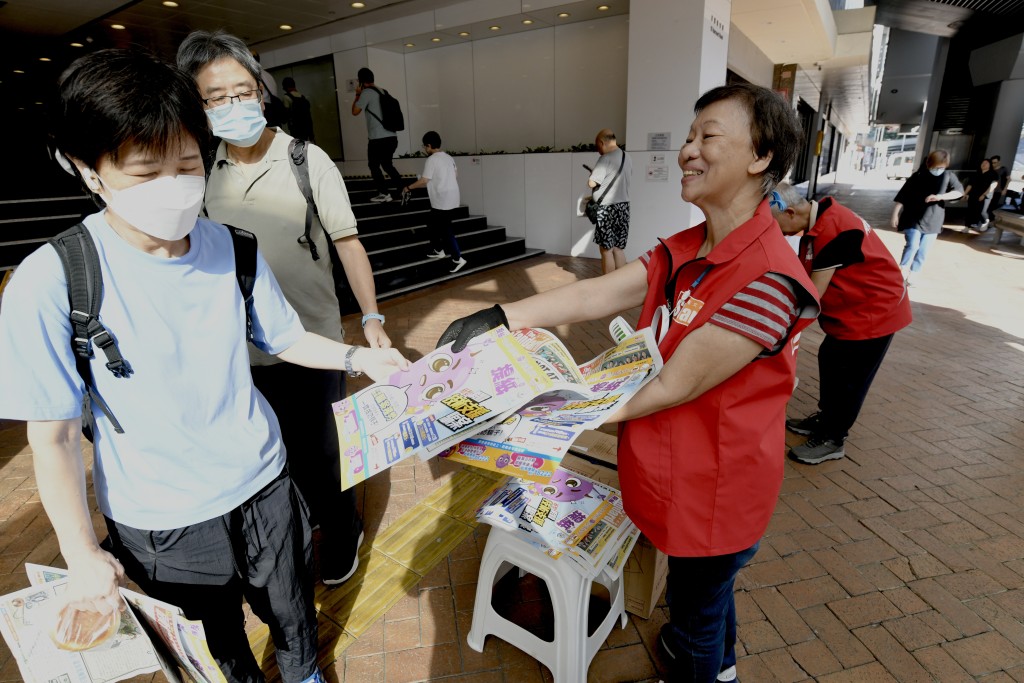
(247, 96)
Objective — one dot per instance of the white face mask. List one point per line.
(937, 171)
(165, 208)
(240, 123)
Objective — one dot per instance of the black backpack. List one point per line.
(274, 110)
(391, 112)
(346, 299)
(81, 263)
(300, 117)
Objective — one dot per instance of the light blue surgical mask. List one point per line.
(937, 171)
(240, 123)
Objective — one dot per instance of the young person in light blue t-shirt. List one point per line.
(198, 504)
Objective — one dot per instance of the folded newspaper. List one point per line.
(145, 636)
(509, 402)
(571, 518)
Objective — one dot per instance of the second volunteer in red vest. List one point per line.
(700, 447)
(864, 303)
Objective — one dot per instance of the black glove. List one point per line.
(464, 329)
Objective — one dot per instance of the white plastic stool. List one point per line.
(569, 655)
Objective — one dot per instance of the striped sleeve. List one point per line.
(763, 311)
(645, 258)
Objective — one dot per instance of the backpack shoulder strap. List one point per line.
(379, 100)
(244, 243)
(300, 169)
(81, 263)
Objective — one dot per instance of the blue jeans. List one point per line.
(916, 248)
(701, 633)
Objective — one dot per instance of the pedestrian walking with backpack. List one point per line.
(292, 196)
(300, 112)
(383, 119)
(189, 467)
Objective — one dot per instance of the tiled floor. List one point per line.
(902, 562)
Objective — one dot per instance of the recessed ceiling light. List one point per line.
(18, 71)
(602, 8)
(44, 59)
(435, 40)
(359, 5)
(463, 33)
(117, 27)
(169, 3)
(495, 28)
(527, 22)
(563, 15)
(285, 27)
(77, 45)
(38, 102)
(410, 44)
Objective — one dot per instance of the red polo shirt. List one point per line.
(702, 478)
(866, 297)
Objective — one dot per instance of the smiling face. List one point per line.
(439, 375)
(718, 158)
(563, 487)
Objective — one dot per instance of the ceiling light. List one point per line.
(77, 45)
(602, 8)
(18, 71)
(527, 22)
(410, 44)
(169, 3)
(359, 5)
(495, 28)
(285, 27)
(44, 59)
(117, 27)
(38, 102)
(563, 15)
(435, 40)
(463, 33)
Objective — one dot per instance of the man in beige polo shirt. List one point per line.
(252, 186)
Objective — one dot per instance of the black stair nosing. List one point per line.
(419, 262)
(391, 293)
(42, 199)
(406, 245)
(418, 226)
(4, 221)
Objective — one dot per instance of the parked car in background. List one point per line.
(900, 165)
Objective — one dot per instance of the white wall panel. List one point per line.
(471, 184)
(440, 87)
(548, 185)
(746, 59)
(591, 61)
(473, 11)
(353, 128)
(400, 28)
(504, 192)
(581, 229)
(349, 40)
(514, 86)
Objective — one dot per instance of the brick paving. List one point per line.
(903, 561)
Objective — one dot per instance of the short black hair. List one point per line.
(432, 138)
(995, 157)
(365, 75)
(205, 47)
(288, 82)
(774, 127)
(114, 98)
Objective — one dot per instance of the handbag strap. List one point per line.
(622, 162)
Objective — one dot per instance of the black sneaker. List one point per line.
(806, 426)
(817, 449)
(334, 569)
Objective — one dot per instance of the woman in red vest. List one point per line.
(701, 446)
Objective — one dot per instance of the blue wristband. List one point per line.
(373, 316)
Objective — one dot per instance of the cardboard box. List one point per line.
(594, 455)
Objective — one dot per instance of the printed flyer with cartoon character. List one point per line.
(531, 442)
(571, 517)
(443, 398)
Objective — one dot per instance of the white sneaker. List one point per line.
(437, 254)
(457, 265)
(381, 198)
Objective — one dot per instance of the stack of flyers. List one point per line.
(571, 518)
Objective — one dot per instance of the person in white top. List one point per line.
(609, 182)
(440, 177)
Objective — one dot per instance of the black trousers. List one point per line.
(379, 153)
(442, 235)
(846, 369)
(301, 399)
(261, 551)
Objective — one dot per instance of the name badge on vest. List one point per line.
(686, 308)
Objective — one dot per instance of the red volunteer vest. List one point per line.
(702, 478)
(863, 300)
